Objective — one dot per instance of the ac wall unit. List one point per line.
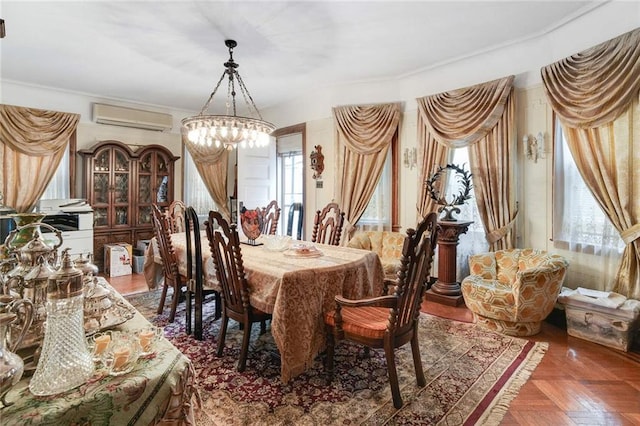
(130, 117)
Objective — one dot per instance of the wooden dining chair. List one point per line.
(172, 277)
(327, 225)
(176, 212)
(224, 244)
(389, 321)
(270, 217)
(296, 213)
(197, 288)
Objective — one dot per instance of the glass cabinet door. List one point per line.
(121, 197)
(154, 184)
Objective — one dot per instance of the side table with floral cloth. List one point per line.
(159, 391)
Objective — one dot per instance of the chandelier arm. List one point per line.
(206, 105)
(246, 94)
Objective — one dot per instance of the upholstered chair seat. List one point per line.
(388, 246)
(513, 291)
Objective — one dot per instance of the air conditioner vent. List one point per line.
(130, 117)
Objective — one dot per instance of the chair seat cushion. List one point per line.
(366, 321)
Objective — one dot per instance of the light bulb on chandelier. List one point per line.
(229, 130)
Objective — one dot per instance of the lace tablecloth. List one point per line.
(159, 391)
(297, 291)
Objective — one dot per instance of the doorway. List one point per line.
(290, 181)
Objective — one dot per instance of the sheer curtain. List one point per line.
(474, 241)
(586, 229)
(377, 215)
(196, 194)
(59, 185)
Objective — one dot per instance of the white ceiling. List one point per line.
(171, 53)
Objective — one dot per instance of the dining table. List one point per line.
(296, 290)
(160, 390)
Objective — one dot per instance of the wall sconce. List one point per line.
(410, 157)
(534, 146)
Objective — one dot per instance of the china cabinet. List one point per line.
(121, 185)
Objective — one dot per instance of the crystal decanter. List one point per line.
(65, 362)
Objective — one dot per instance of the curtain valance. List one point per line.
(36, 132)
(593, 87)
(464, 116)
(367, 129)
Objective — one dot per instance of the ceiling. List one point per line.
(171, 53)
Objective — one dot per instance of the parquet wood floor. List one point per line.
(577, 382)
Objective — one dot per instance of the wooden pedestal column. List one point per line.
(446, 290)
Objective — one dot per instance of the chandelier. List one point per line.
(229, 130)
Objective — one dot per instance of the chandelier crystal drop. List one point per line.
(229, 130)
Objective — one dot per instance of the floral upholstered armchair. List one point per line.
(388, 246)
(513, 291)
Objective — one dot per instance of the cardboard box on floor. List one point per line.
(117, 259)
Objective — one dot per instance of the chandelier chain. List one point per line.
(247, 96)
(206, 105)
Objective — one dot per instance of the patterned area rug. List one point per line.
(472, 375)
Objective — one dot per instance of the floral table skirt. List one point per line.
(159, 390)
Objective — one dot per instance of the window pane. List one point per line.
(377, 215)
(290, 181)
(585, 229)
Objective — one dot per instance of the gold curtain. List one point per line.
(212, 165)
(481, 117)
(595, 94)
(364, 135)
(433, 154)
(32, 143)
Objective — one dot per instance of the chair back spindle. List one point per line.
(270, 217)
(327, 225)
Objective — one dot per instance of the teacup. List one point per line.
(98, 344)
(121, 354)
(147, 337)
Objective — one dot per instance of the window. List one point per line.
(290, 164)
(377, 215)
(585, 228)
(59, 186)
(196, 194)
(474, 240)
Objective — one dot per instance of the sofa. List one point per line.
(513, 291)
(388, 246)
